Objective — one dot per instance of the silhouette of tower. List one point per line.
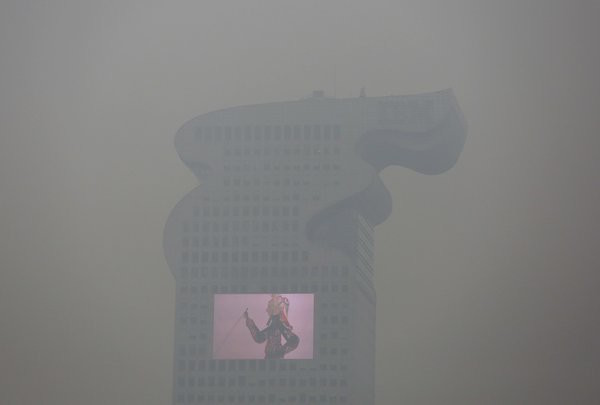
(288, 198)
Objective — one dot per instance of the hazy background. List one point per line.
(488, 275)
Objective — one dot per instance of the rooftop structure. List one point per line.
(288, 198)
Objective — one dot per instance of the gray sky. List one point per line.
(487, 275)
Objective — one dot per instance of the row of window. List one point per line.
(262, 398)
(252, 365)
(277, 166)
(253, 272)
(267, 133)
(244, 256)
(305, 151)
(226, 241)
(277, 182)
(245, 225)
(366, 228)
(193, 349)
(256, 197)
(242, 381)
(283, 288)
(225, 366)
(246, 211)
(363, 247)
(261, 365)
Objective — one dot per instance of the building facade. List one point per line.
(288, 196)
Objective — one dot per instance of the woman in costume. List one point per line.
(277, 326)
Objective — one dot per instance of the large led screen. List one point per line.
(259, 326)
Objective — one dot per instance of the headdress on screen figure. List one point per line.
(279, 305)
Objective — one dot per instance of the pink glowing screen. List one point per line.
(232, 338)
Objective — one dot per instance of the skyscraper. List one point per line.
(283, 218)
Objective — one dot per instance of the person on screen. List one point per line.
(277, 326)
